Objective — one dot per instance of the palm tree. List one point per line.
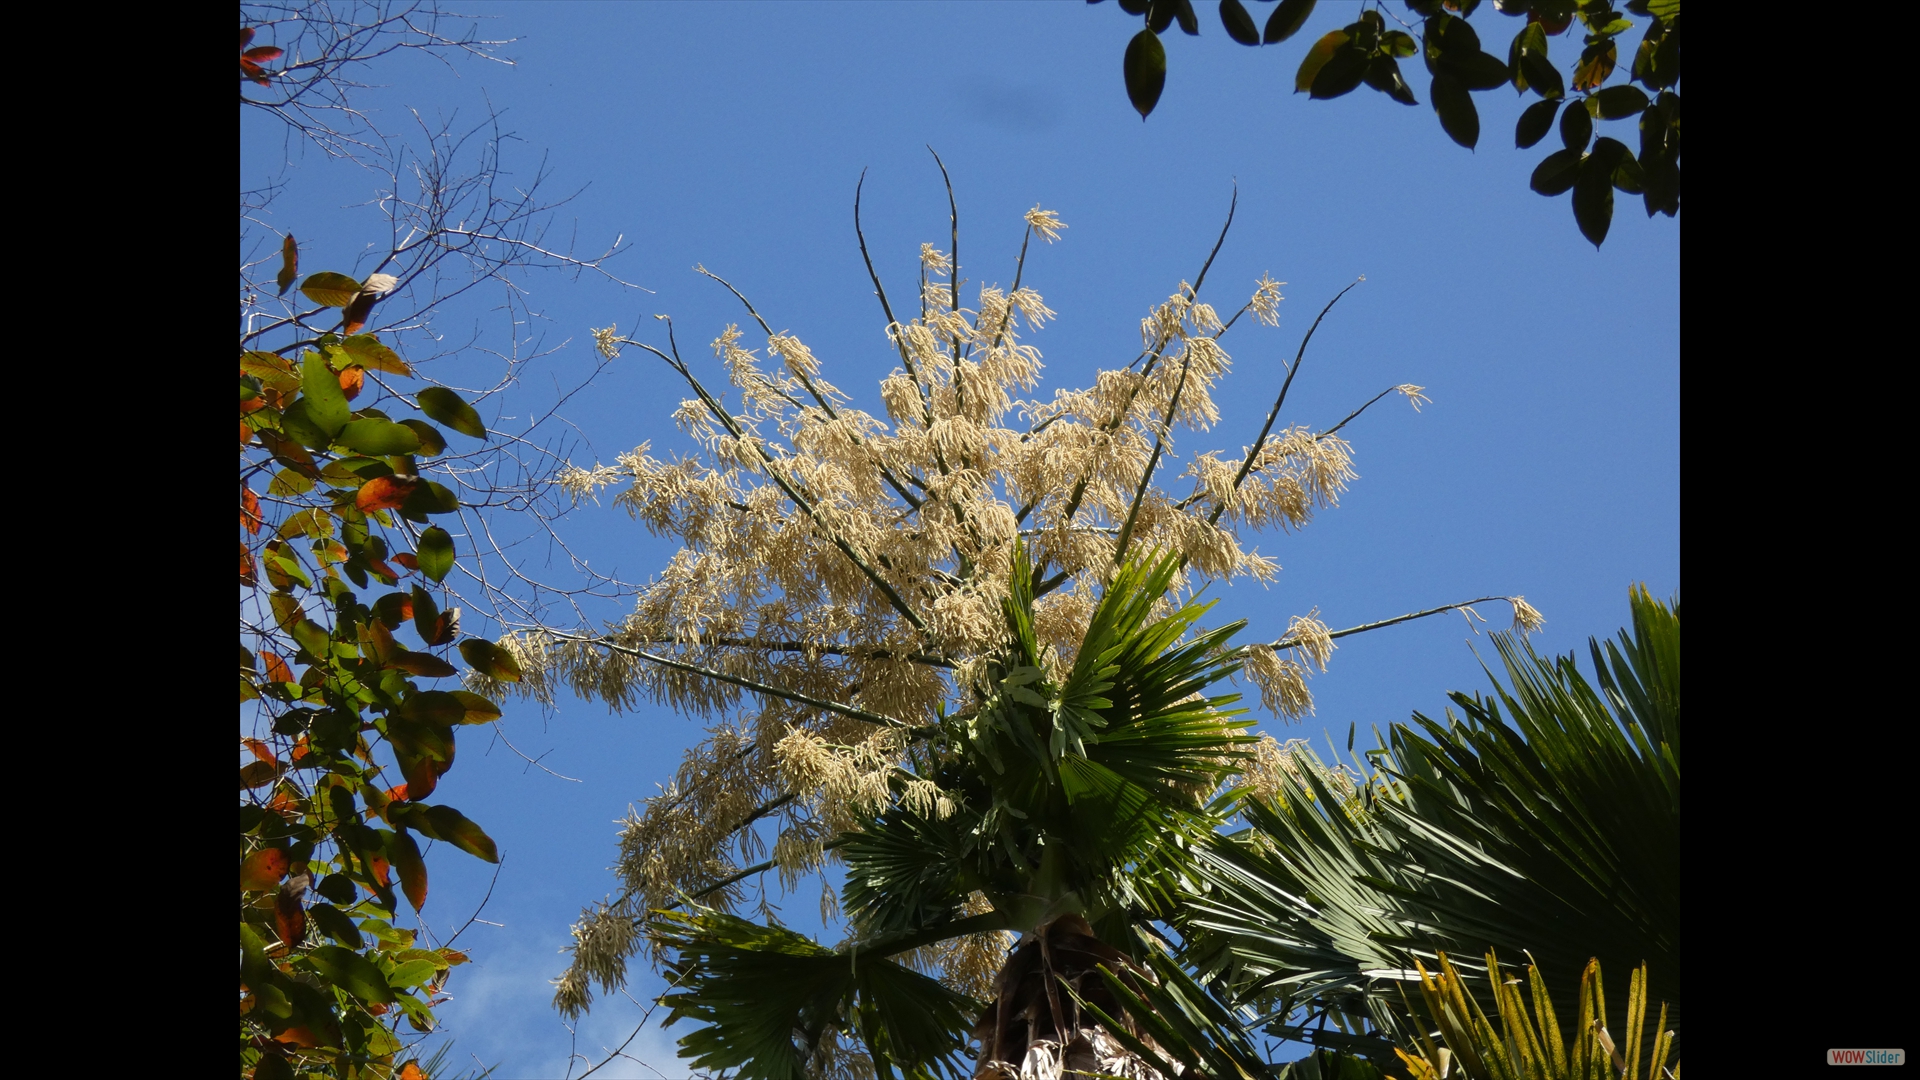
(1072, 803)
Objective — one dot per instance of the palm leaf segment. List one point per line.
(1543, 820)
(1075, 802)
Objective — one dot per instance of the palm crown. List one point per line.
(1064, 794)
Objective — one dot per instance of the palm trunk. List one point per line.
(1035, 1030)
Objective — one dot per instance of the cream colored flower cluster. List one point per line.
(861, 559)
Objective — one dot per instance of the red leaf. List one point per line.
(264, 52)
(407, 559)
(413, 870)
(260, 750)
(247, 576)
(385, 493)
(277, 669)
(421, 776)
(352, 379)
(249, 510)
(263, 869)
(246, 35)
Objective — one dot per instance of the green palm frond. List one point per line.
(765, 997)
(1544, 817)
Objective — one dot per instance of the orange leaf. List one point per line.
(277, 669)
(379, 1008)
(381, 869)
(263, 869)
(385, 493)
(407, 559)
(410, 1071)
(300, 748)
(260, 750)
(246, 433)
(397, 794)
(247, 576)
(289, 918)
(284, 804)
(249, 509)
(298, 1036)
(251, 404)
(352, 379)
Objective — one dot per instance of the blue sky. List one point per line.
(732, 134)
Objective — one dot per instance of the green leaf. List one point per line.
(380, 437)
(327, 404)
(1534, 123)
(1145, 69)
(1340, 74)
(367, 351)
(1576, 128)
(1593, 197)
(445, 406)
(425, 614)
(1556, 173)
(311, 636)
(1618, 102)
(1458, 118)
(429, 498)
(425, 665)
(1317, 58)
(298, 424)
(1239, 24)
(330, 289)
(491, 660)
(435, 552)
(479, 709)
(432, 443)
(1383, 74)
(440, 708)
(351, 972)
(1542, 77)
(413, 973)
(1286, 20)
(336, 924)
(455, 829)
